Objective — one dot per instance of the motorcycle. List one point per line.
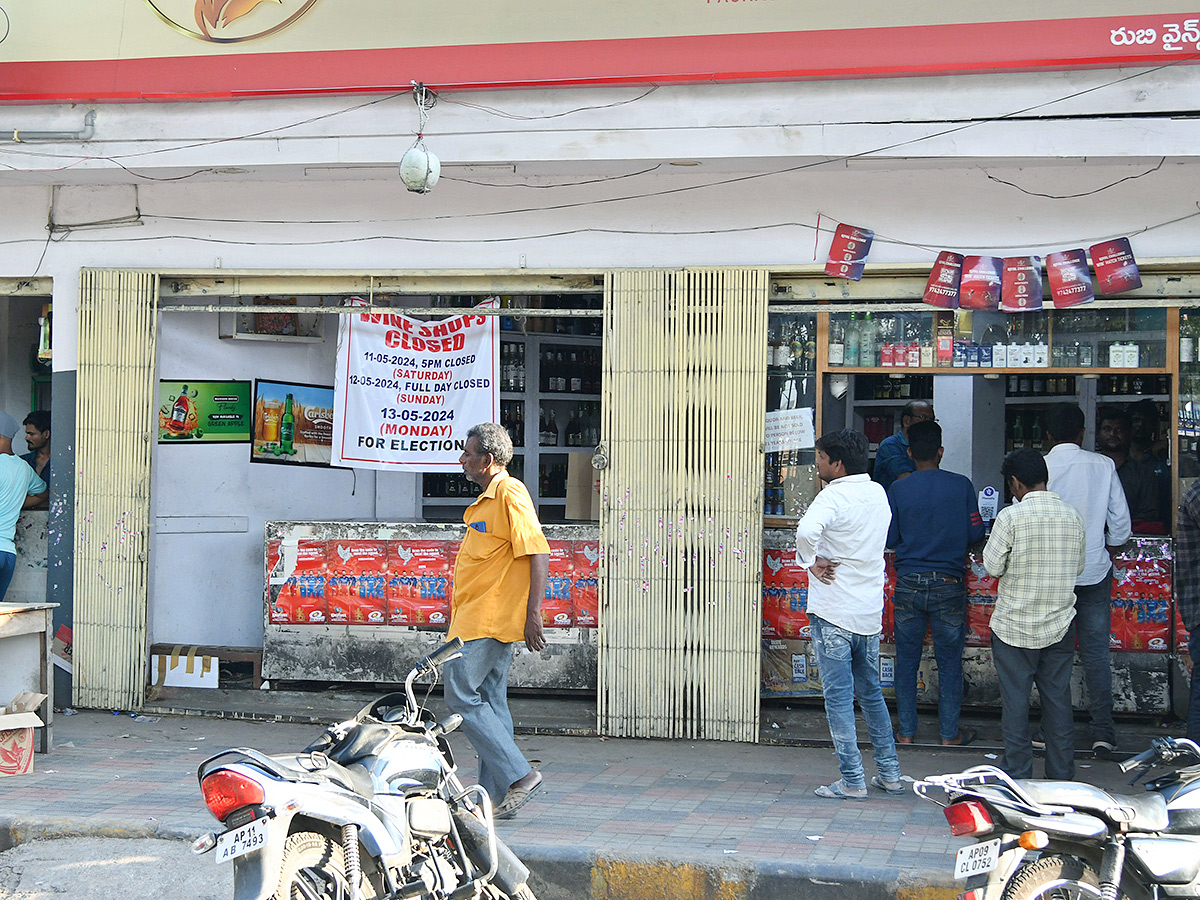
(1071, 841)
(372, 809)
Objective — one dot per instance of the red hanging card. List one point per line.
(942, 287)
(1021, 284)
(980, 287)
(848, 252)
(1116, 269)
(1070, 282)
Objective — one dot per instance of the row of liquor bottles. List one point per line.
(561, 369)
(582, 428)
(552, 481)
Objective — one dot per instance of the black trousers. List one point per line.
(1018, 669)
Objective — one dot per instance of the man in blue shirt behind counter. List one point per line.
(892, 461)
(935, 519)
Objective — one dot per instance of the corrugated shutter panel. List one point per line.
(681, 512)
(115, 407)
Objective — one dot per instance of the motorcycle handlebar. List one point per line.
(440, 655)
(1141, 759)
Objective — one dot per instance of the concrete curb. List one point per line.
(570, 873)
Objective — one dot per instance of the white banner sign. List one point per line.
(790, 429)
(406, 391)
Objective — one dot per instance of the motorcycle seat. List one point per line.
(1141, 812)
(365, 740)
(351, 778)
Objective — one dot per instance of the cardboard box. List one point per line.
(184, 669)
(583, 489)
(16, 733)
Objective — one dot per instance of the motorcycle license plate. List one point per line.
(977, 858)
(250, 837)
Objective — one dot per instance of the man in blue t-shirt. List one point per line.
(20, 488)
(935, 519)
(892, 461)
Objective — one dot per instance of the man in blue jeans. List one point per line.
(935, 519)
(840, 540)
(1187, 592)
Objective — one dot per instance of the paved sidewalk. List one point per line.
(614, 817)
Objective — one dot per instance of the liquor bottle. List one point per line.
(1187, 339)
(560, 371)
(852, 348)
(866, 342)
(179, 412)
(1018, 433)
(287, 427)
(837, 341)
(1035, 433)
(576, 374)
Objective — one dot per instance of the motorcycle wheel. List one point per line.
(314, 868)
(1053, 878)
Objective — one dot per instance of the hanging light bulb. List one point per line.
(420, 167)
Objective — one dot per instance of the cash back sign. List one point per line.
(407, 390)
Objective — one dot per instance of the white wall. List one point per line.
(558, 179)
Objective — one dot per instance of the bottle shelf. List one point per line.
(990, 370)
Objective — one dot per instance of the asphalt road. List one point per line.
(111, 869)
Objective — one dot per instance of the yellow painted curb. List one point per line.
(624, 880)
(926, 893)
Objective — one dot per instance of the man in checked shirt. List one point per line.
(1037, 550)
(1187, 592)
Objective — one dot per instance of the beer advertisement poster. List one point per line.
(1116, 269)
(1021, 284)
(848, 252)
(293, 423)
(407, 390)
(205, 412)
(942, 287)
(980, 287)
(1070, 281)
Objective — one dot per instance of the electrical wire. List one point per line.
(1082, 193)
(491, 110)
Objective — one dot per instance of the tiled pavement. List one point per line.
(716, 805)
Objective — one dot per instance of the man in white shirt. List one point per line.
(840, 540)
(1089, 482)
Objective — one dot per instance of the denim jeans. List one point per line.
(848, 664)
(1093, 624)
(477, 689)
(8, 565)
(922, 602)
(1193, 722)
(1018, 669)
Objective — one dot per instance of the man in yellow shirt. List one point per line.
(499, 581)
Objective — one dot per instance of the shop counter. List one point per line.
(360, 602)
(1145, 636)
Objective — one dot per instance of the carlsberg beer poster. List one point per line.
(406, 391)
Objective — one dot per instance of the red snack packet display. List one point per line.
(360, 597)
(308, 604)
(979, 620)
(1021, 284)
(558, 609)
(1070, 283)
(942, 287)
(1116, 269)
(585, 593)
(980, 285)
(418, 591)
(784, 596)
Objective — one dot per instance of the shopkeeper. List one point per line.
(1114, 435)
(891, 459)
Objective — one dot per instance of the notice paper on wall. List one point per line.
(406, 391)
(790, 429)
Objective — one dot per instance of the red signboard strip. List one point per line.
(845, 53)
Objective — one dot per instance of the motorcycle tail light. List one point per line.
(225, 791)
(969, 817)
